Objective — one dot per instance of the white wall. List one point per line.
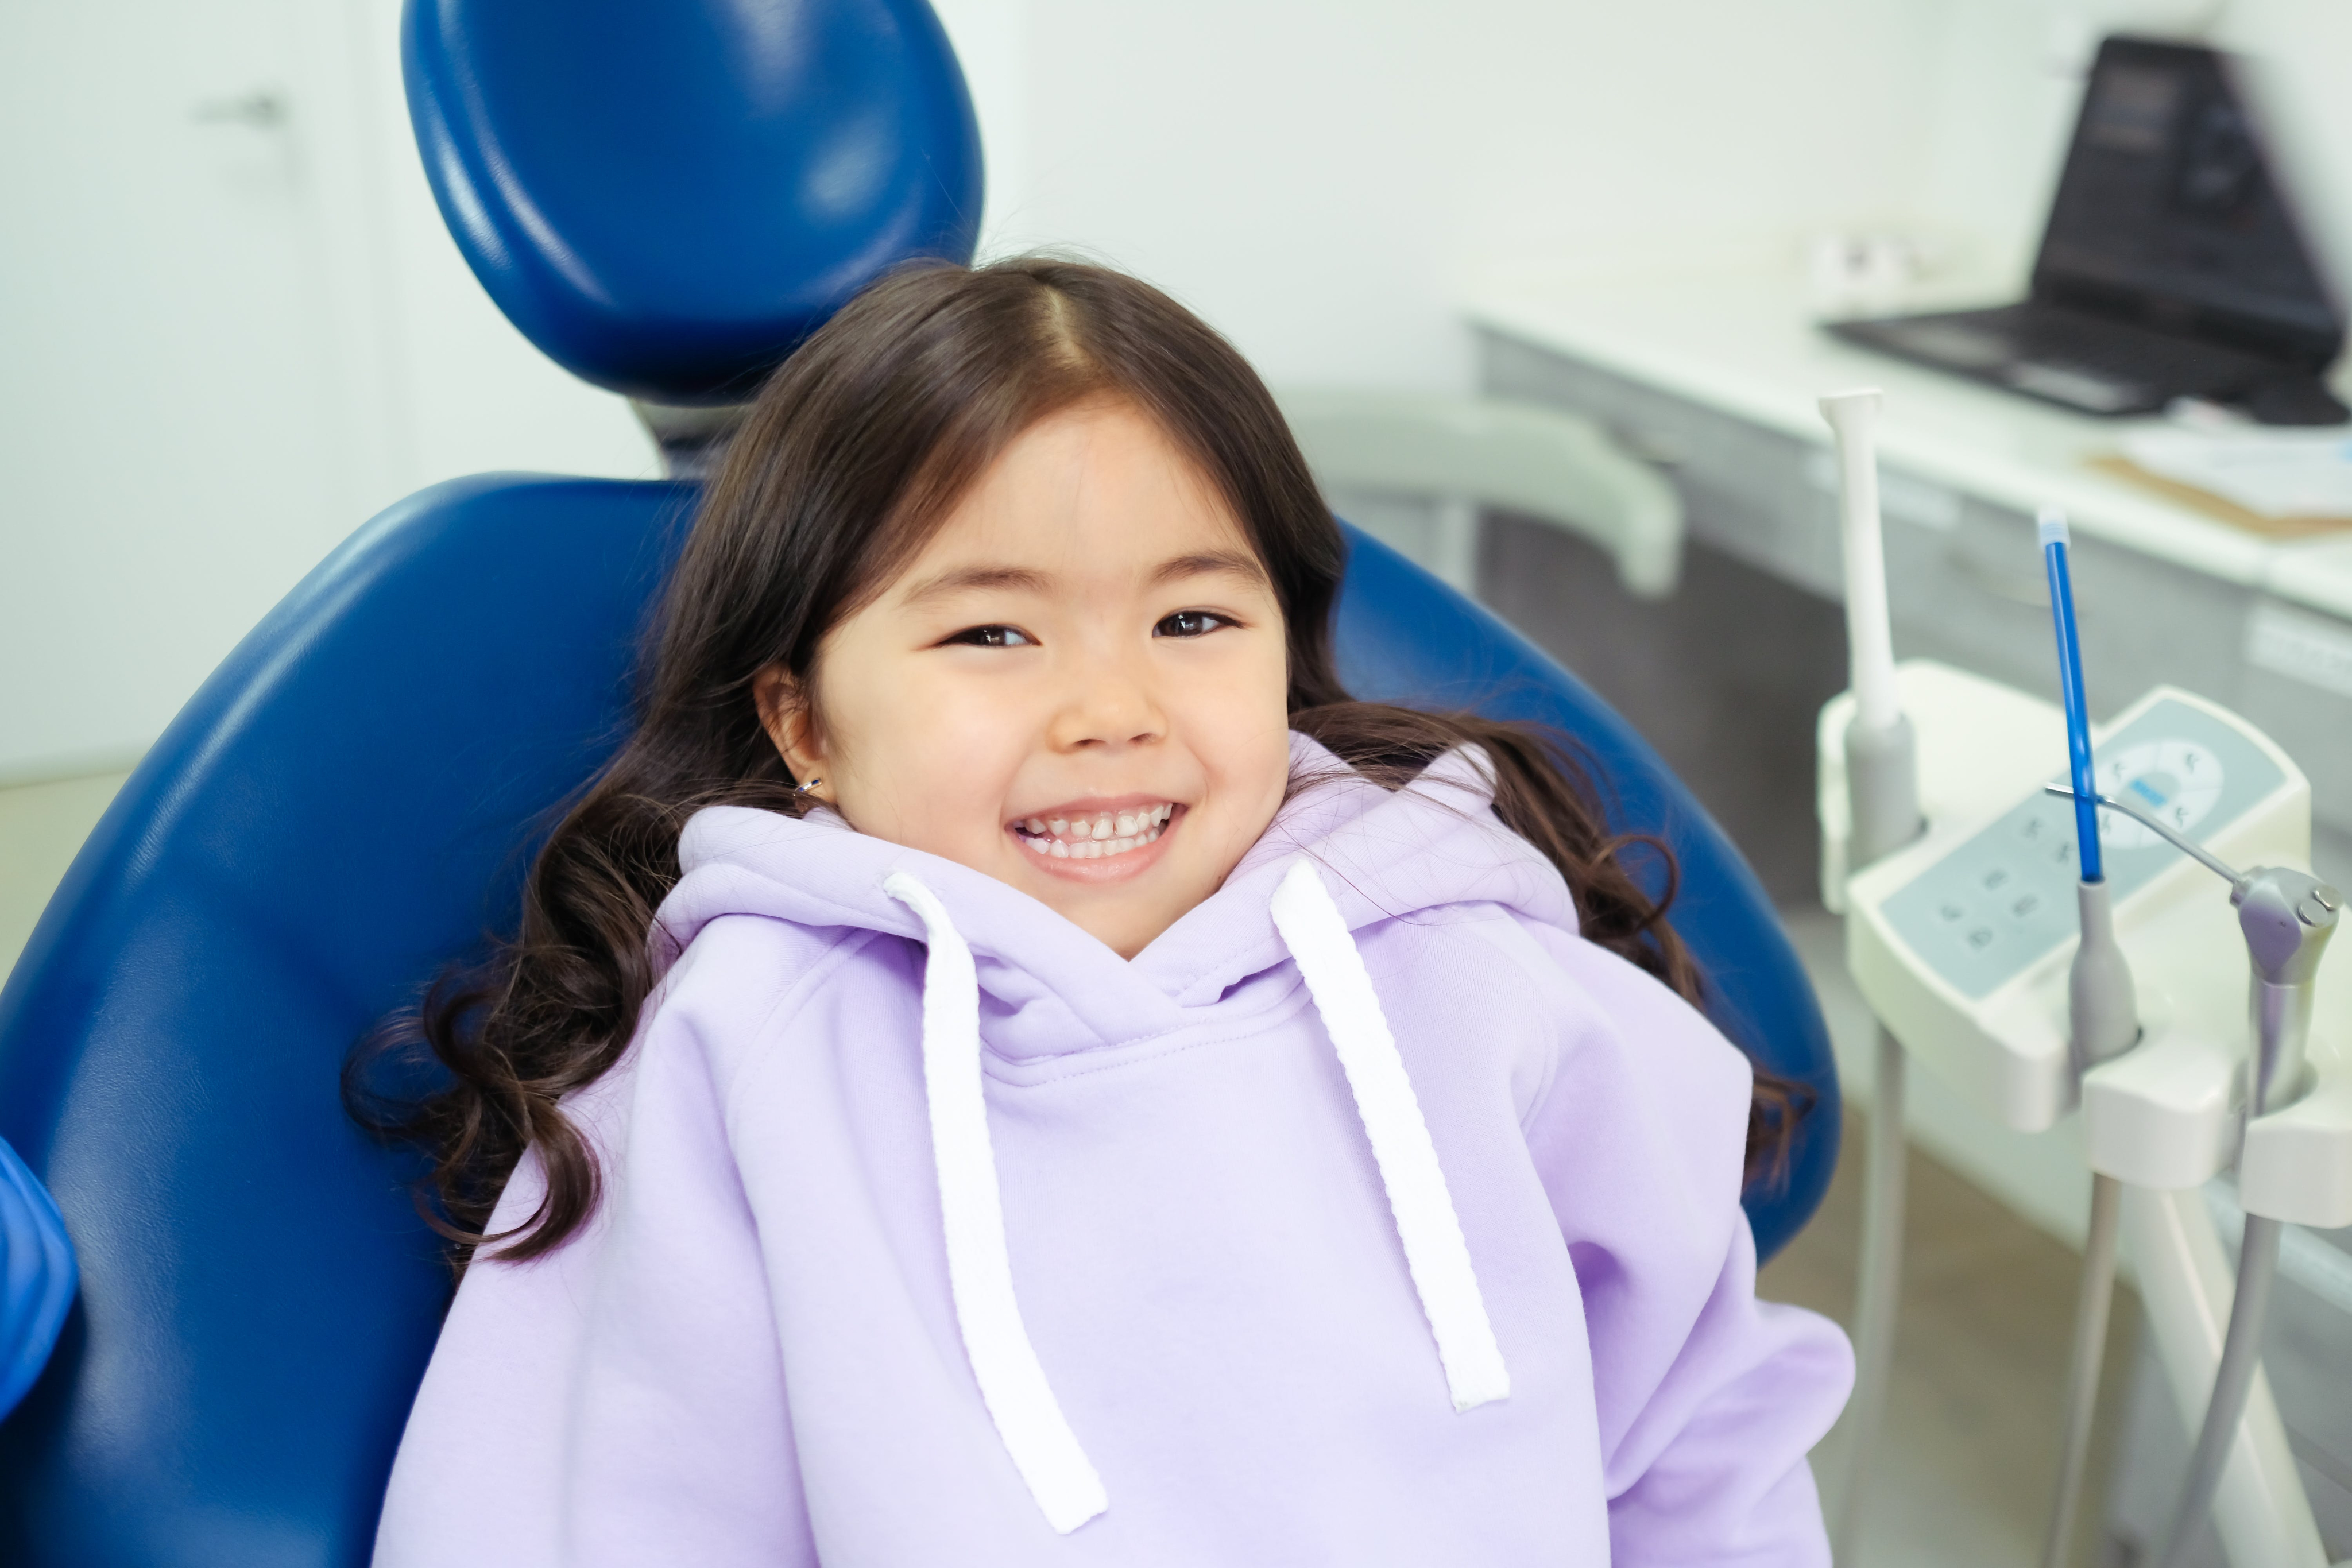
(226, 347)
(1316, 176)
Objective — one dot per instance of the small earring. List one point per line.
(805, 788)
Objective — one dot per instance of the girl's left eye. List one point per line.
(992, 637)
(1190, 623)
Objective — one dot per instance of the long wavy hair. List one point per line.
(854, 449)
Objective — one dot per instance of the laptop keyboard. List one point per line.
(2082, 361)
(2116, 351)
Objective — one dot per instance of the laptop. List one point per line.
(2172, 267)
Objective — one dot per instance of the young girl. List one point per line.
(1011, 1065)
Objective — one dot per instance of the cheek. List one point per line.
(924, 757)
(1243, 725)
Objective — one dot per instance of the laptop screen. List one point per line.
(2168, 212)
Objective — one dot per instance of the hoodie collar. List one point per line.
(1048, 987)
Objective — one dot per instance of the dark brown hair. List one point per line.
(857, 446)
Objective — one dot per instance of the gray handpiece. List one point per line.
(2287, 917)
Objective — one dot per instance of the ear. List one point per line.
(790, 720)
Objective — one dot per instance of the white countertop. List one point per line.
(1743, 342)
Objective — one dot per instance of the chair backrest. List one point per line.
(342, 808)
(348, 804)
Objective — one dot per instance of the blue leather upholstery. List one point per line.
(38, 1277)
(666, 195)
(346, 805)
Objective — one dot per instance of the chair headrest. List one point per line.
(668, 195)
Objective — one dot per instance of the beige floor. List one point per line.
(1971, 1437)
(41, 825)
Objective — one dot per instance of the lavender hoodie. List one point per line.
(1370, 1216)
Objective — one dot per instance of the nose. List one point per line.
(1108, 706)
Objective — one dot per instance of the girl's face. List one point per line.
(1076, 688)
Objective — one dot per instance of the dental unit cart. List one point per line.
(2206, 1022)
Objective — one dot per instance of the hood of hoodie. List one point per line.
(1048, 987)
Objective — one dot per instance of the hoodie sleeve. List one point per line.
(1708, 1399)
(620, 1401)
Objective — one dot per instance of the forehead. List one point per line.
(1094, 489)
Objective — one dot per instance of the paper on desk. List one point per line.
(2272, 472)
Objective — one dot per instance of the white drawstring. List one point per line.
(980, 1274)
(1435, 1251)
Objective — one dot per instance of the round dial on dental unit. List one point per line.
(2175, 781)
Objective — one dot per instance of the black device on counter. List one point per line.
(2172, 267)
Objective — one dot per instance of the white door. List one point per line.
(182, 423)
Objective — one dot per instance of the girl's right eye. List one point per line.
(991, 637)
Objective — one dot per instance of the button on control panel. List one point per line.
(2005, 897)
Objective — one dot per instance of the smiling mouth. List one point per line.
(1099, 835)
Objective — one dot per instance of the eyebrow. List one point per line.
(966, 579)
(1237, 563)
(970, 579)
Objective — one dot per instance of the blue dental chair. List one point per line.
(666, 195)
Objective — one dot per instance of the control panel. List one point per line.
(1962, 941)
(2004, 897)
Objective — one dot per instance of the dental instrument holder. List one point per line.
(1882, 771)
(2287, 917)
(2101, 1005)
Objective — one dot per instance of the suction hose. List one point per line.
(2093, 1301)
(2233, 1379)
(1877, 1293)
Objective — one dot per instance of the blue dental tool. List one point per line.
(2055, 546)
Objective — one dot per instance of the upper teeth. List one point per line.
(1092, 837)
